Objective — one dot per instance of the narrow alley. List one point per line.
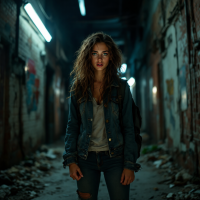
(134, 67)
(42, 177)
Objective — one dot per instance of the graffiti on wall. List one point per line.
(170, 100)
(32, 86)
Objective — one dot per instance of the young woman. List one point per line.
(94, 142)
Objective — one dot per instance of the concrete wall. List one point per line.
(168, 58)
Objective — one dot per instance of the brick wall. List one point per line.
(7, 18)
(23, 105)
(7, 31)
(176, 124)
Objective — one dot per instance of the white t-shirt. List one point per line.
(98, 140)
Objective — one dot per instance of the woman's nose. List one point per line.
(100, 57)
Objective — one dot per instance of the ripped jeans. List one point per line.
(91, 168)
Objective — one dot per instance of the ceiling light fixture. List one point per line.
(154, 90)
(131, 81)
(82, 7)
(38, 23)
(123, 68)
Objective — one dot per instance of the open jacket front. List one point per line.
(77, 138)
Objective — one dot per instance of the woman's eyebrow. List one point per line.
(97, 51)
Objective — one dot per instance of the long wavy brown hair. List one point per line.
(84, 73)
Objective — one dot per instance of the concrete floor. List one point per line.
(59, 184)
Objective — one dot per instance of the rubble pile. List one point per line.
(174, 176)
(22, 182)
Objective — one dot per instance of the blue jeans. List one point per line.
(112, 167)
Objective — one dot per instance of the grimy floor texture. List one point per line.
(60, 186)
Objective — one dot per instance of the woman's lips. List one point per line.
(99, 64)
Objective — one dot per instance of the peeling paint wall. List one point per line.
(30, 46)
(25, 121)
(171, 94)
(171, 58)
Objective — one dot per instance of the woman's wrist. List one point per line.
(71, 164)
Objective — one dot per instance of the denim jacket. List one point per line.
(77, 136)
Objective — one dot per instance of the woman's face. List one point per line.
(100, 56)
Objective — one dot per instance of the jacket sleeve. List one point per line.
(130, 145)
(72, 131)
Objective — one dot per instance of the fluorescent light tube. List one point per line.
(82, 7)
(36, 20)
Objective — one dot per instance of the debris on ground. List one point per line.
(170, 195)
(149, 149)
(189, 185)
(22, 182)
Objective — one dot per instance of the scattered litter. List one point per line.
(157, 163)
(180, 193)
(170, 195)
(166, 165)
(33, 194)
(163, 181)
(191, 191)
(183, 176)
(179, 183)
(23, 180)
(151, 158)
(175, 176)
(197, 192)
(50, 154)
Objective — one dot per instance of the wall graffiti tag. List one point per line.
(32, 86)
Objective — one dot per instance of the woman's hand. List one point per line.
(75, 172)
(128, 176)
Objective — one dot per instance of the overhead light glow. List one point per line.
(82, 7)
(154, 90)
(123, 68)
(36, 20)
(131, 81)
(57, 91)
(123, 78)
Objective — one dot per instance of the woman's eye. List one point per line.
(104, 54)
